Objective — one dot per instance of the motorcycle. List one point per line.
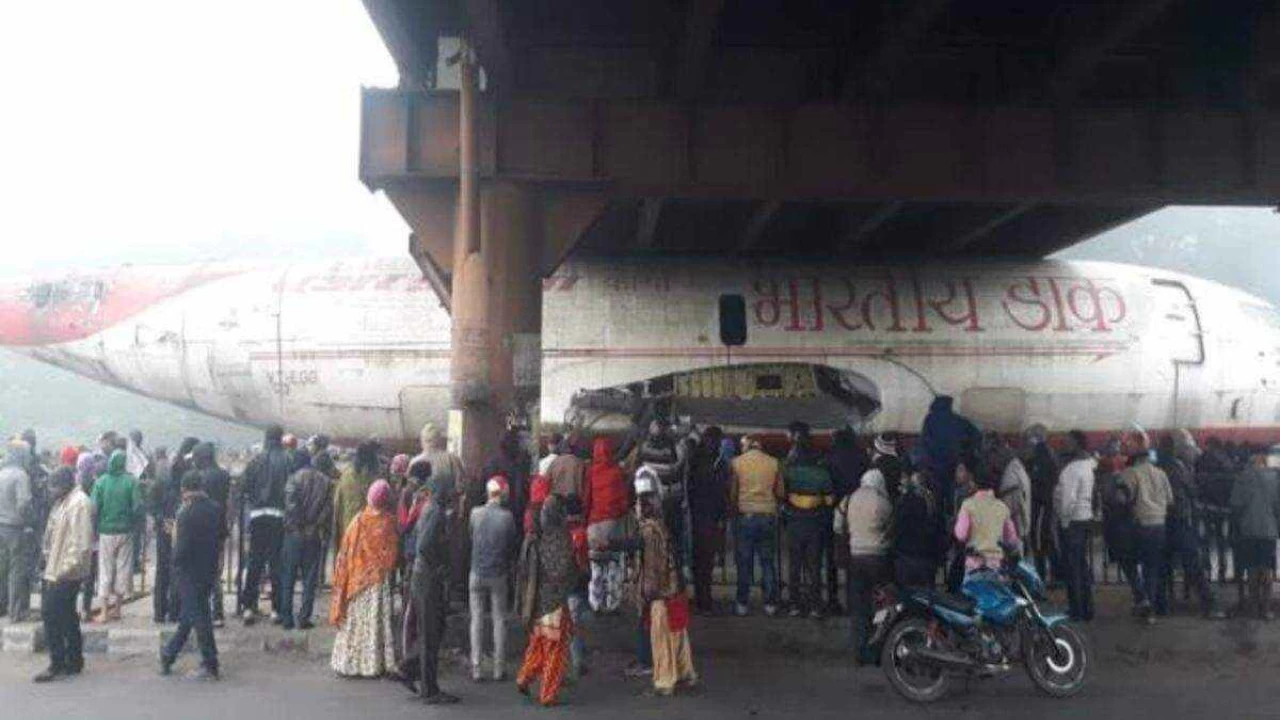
(925, 638)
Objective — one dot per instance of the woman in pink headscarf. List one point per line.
(361, 606)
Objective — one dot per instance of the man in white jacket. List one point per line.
(866, 516)
(1073, 501)
(68, 545)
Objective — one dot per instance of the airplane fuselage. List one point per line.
(361, 347)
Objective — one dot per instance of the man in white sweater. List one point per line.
(1073, 501)
(866, 515)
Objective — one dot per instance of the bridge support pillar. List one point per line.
(497, 316)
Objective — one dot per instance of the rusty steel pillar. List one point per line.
(496, 290)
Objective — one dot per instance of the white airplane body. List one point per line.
(361, 347)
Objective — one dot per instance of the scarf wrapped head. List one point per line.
(379, 495)
(400, 465)
(367, 557)
(68, 457)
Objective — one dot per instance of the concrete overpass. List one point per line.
(843, 129)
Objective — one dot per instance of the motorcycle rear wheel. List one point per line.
(1058, 670)
(914, 679)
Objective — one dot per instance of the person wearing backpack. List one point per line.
(809, 494)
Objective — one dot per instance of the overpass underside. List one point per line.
(525, 130)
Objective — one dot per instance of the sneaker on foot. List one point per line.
(203, 674)
(741, 610)
(771, 610)
(166, 666)
(795, 611)
(50, 675)
(816, 614)
(305, 625)
(441, 698)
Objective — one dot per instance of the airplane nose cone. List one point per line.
(42, 312)
(15, 314)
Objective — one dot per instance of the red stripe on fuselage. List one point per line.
(45, 312)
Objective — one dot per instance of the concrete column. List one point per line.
(497, 294)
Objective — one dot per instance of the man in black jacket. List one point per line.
(195, 562)
(166, 496)
(264, 482)
(216, 483)
(308, 510)
(430, 575)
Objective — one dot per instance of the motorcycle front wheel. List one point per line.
(912, 677)
(1057, 660)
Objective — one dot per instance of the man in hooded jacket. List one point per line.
(117, 496)
(308, 507)
(264, 483)
(216, 483)
(15, 513)
(944, 435)
(166, 496)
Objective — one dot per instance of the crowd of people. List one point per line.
(568, 525)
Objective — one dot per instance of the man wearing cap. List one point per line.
(493, 545)
(1149, 487)
(753, 496)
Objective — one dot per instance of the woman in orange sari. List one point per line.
(361, 606)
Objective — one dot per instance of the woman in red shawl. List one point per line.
(607, 501)
(361, 606)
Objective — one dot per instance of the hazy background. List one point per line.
(154, 131)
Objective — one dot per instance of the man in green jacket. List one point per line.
(117, 500)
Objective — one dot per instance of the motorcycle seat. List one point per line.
(958, 603)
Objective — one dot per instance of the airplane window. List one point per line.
(733, 320)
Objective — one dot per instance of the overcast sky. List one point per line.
(175, 131)
(170, 128)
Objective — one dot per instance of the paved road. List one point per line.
(261, 686)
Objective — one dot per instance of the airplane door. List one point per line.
(1179, 333)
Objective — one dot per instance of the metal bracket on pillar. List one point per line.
(439, 280)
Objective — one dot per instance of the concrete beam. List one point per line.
(759, 221)
(860, 230)
(407, 32)
(649, 214)
(1083, 58)
(702, 19)
(484, 18)
(999, 219)
(567, 216)
(895, 43)
(837, 152)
